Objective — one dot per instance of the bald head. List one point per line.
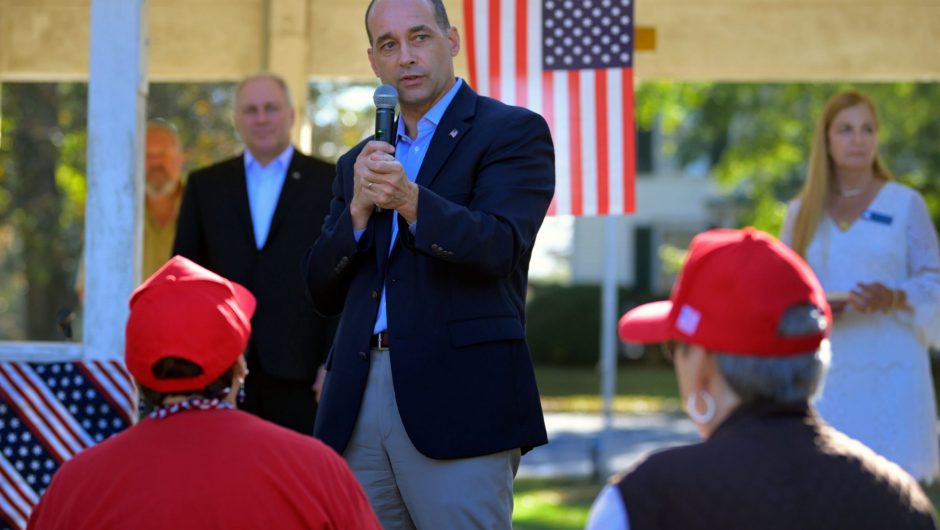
(440, 16)
(264, 115)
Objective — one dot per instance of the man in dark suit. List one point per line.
(430, 393)
(250, 219)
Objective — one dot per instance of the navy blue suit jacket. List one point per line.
(463, 376)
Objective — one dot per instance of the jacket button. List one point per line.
(375, 295)
(362, 354)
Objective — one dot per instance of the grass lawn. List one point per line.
(638, 389)
(563, 503)
(553, 504)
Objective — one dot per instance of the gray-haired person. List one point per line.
(746, 326)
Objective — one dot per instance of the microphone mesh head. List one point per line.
(385, 97)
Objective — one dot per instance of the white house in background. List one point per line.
(670, 209)
(672, 205)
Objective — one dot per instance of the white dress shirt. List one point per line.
(264, 190)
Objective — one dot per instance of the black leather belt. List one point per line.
(379, 341)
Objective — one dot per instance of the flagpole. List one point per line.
(608, 341)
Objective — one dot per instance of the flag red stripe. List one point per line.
(24, 498)
(494, 69)
(470, 24)
(18, 486)
(124, 385)
(24, 417)
(522, 63)
(525, 23)
(548, 100)
(62, 420)
(9, 517)
(574, 121)
(603, 166)
(122, 409)
(10, 521)
(629, 141)
(548, 107)
(21, 407)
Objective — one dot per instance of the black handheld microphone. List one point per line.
(385, 98)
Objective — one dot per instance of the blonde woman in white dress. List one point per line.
(873, 245)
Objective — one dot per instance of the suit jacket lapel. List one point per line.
(239, 199)
(290, 193)
(455, 123)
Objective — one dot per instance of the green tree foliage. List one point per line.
(40, 237)
(756, 137)
(43, 143)
(202, 114)
(342, 114)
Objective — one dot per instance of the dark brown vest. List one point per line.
(768, 468)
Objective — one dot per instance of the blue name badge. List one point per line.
(877, 217)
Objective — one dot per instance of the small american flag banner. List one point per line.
(572, 62)
(48, 413)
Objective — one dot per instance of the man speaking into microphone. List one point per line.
(430, 393)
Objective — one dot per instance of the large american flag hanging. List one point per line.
(572, 62)
(48, 413)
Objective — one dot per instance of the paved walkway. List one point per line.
(575, 443)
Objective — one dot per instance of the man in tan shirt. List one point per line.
(163, 169)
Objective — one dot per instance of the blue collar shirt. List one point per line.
(264, 190)
(410, 152)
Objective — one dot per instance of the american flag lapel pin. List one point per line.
(453, 133)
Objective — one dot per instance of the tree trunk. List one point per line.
(37, 204)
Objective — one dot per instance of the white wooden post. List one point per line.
(117, 93)
(608, 364)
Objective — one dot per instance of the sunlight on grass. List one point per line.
(639, 389)
(553, 504)
(564, 503)
(593, 403)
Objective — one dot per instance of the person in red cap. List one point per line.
(196, 462)
(747, 327)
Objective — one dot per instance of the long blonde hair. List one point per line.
(820, 172)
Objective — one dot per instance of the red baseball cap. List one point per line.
(730, 295)
(189, 312)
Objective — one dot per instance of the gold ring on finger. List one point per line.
(370, 185)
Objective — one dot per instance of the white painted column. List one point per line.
(117, 93)
(288, 46)
(608, 364)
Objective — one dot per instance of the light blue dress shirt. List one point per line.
(264, 190)
(410, 152)
(608, 511)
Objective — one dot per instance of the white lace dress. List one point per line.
(879, 389)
